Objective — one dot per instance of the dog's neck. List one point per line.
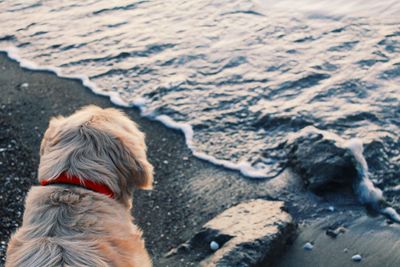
(65, 178)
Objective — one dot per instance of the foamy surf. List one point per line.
(245, 168)
(12, 53)
(364, 188)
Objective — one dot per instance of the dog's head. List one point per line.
(100, 145)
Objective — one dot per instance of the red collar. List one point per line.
(64, 178)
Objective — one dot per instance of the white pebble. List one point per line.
(214, 245)
(308, 246)
(356, 257)
(331, 208)
(25, 85)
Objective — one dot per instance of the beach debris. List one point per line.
(181, 248)
(356, 257)
(335, 232)
(214, 246)
(308, 246)
(243, 235)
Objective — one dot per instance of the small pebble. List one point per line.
(25, 85)
(345, 250)
(308, 246)
(331, 208)
(214, 245)
(356, 257)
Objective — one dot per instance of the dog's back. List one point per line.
(72, 226)
(101, 155)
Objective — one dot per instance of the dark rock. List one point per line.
(322, 163)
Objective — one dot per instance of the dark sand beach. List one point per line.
(187, 192)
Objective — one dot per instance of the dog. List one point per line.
(90, 163)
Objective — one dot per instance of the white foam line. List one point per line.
(244, 167)
(366, 192)
(13, 54)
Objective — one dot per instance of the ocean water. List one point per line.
(238, 77)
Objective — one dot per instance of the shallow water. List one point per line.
(243, 74)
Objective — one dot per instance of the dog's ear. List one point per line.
(50, 136)
(138, 171)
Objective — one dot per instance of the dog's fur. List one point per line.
(73, 226)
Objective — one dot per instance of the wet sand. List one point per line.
(377, 242)
(187, 192)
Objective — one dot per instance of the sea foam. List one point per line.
(365, 190)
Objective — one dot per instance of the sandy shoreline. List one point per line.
(188, 192)
(168, 215)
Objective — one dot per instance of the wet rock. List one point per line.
(322, 162)
(248, 234)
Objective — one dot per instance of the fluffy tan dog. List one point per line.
(90, 163)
